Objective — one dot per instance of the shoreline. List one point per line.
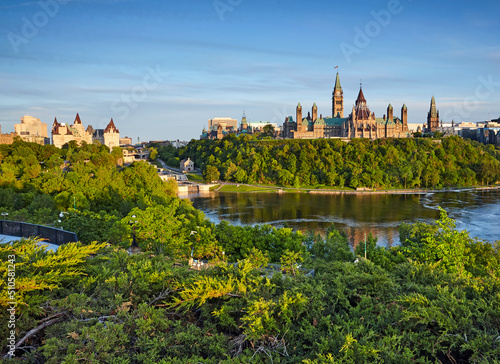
(281, 190)
(404, 191)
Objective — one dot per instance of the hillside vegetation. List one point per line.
(435, 298)
(382, 163)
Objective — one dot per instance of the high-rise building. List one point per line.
(32, 130)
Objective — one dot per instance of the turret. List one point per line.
(314, 112)
(55, 127)
(390, 113)
(299, 117)
(404, 117)
(111, 128)
(77, 119)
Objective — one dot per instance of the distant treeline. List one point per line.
(382, 163)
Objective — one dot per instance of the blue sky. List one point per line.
(161, 69)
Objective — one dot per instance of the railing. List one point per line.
(48, 234)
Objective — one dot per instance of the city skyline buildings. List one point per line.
(164, 68)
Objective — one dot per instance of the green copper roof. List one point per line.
(299, 105)
(390, 106)
(404, 107)
(320, 121)
(382, 121)
(314, 106)
(337, 82)
(334, 121)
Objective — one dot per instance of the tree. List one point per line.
(268, 130)
(442, 245)
(153, 154)
(211, 174)
(334, 247)
(290, 261)
(38, 270)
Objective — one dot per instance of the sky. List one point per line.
(162, 68)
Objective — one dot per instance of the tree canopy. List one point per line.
(433, 298)
(382, 163)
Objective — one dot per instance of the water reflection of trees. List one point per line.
(357, 215)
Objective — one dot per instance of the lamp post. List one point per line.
(134, 247)
(4, 215)
(191, 260)
(365, 246)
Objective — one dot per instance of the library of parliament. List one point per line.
(361, 123)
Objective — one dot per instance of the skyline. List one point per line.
(161, 70)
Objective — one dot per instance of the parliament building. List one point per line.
(361, 122)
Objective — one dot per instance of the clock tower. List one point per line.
(337, 99)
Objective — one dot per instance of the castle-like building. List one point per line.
(63, 133)
(361, 123)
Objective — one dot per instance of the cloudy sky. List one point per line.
(162, 68)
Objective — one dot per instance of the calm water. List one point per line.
(474, 210)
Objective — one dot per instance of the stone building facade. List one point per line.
(363, 124)
(32, 130)
(187, 165)
(109, 137)
(220, 127)
(6, 138)
(63, 133)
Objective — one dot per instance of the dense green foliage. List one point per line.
(38, 182)
(83, 190)
(435, 298)
(391, 308)
(383, 163)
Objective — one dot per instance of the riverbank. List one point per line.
(475, 210)
(246, 188)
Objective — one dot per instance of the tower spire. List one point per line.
(337, 83)
(433, 116)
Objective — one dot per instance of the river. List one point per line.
(477, 211)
